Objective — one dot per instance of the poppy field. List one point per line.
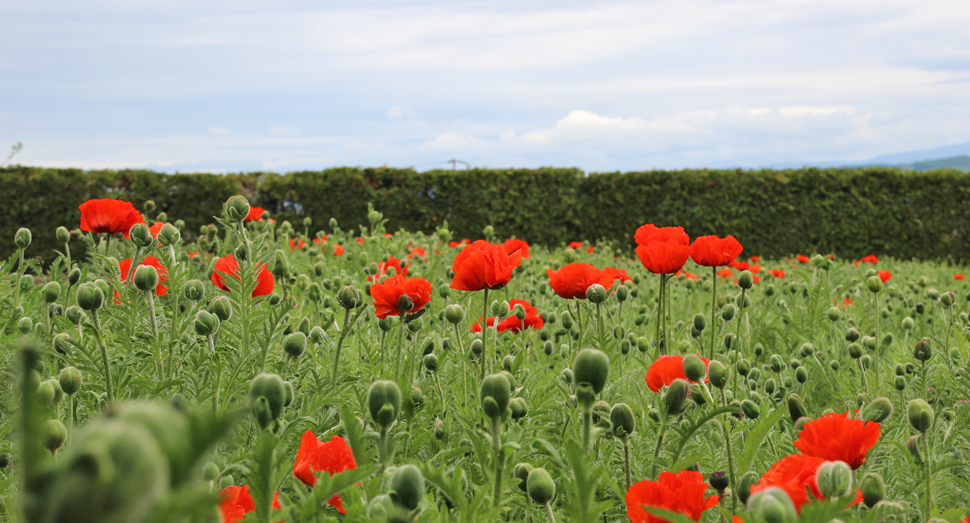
(303, 372)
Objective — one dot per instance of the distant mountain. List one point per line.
(946, 152)
(956, 162)
(955, 156)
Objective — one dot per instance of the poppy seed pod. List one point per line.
(63, 235)
(22, 238)
(694, 368)
(146, 278)
(922, 351)
(772, 505)
(294, 344)
(521, 472)
(596, 293)
(53, 435)
(834, 479)
(267, 396)
(141, 235)
(727, 313)
(873, 489)
(921, 415)
(541, 486)
(874, 283)
(717, 372)
(431, 362)
(855, 351)
(70, 380)
(495, 393)
(194, 290)
(384, 402)
(206, 324)
(169, 235)
(852, 335)
(221, 307)
(90, 297)
(237, 208)
(407, 487)
(675, 396)
(877, 410)
(745, 280)
(622, 420)
(591, 366)
(348, 297)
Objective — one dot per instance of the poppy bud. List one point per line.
(700, 321)
(74, 314)
(622, 293)
(210, 472)
(745, 280)
(51, 291)
(90, 297)
(622, 420)
(877, 410)
(25, 325)
(53, 435)
(407, 487)
(240, 252)
(743, 367)
(596, 293)
(431, 362)
(834, 479)
(873, 489)
(521, 472)
(567, 320)
(772, 505)
(294, 344)
(566, 376)
(495, 393)
(744, 485)
(675, 396)
(169, 235)
(920, 414)
(796, 407)
(591, 366)
(476, 347)
(834, 314)
(855, 351)
(22, 238)
(541, 486)
(694, 367)
(727, 313)
(519, 311)
(384, 402)
(74, 276)
(518, 408)
(454, 313)
(70, 380)
(874, 283)
(267, 395)
(146, 278)
(44, 394)
(770, 385)
(237, 208)
(141, 235)
(281, 266)
(348, 297)
(62, 235)
(405, 303)
(750, 409)
(717, 373)
(221, 307)
(194, 290)
(913, 446)
(922, 351)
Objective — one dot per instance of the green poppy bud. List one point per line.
(908, 323)
(675, 396)
(874, 284)
(495, 393)
(796, 407)
(744, 485)
(566, 376)
(281, 266)
(643, 344)
(770, 385)
(852, 335)
(922, 351)
(384, 402)
(74, 276)
(727, 313)
(855, 351)
(899, 382)
(913, 446)
(622, 293)
(431, 362)
(348, 297)
(877, 410)
(289, 395)
(921, 415)
(90, 297)
(317, 334)
(23, 238)
(194, 290)
(294, 344)
(596, 294)
(70, 380)
(169, 235)
(62, 235)
(267, 395)
(521, 472)
(834, 479)
(622, 420)
(51, 291)
(591, 366)
(567, 320)
(44, 394)
(743, 367)
(745, 280)
(25, 325)
(454, 313)
(834, 314)
(237, 208)
(141, 235)
(146, 278)
(476, 347)
(800, 423)
(750, 409)
(53, 434)
(221, 307)
(518, 408)
(541, 486)
(700, 321)
(205, 323)
(717, 372)
(694, 368)
(210, 472)
(772, 505)
(74, 314)
(407, 487)
(873, 489)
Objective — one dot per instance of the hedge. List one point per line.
(848, 212)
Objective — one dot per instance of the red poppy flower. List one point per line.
(419, 252)
(388, 235)
(125, 265)
(590, 249)
(958, 276)
(515, 244)
(392, 263)
(338, 249)
(193, 254)
(871, 258)
(740, 265)
(666, 369)
(483, 265)
(110, 216)
(651, 233)
(333, 456)
(756, 258)
(802, 258)
(795, 474)
(319, 241)
(663, 257)
(453, 244)
(777, 273)
(477, 326)
(388, 293)
(255, 213)
(682, 492)
(360, 240)
(156, 228)
(575, 245)
(617, 274)
(885, 276)
(236, 502)
(532, 319)
(572, 280)
(725, 273)
(229, 265)
(294, 245)
(711, 251)
(836, 437)
(755, 268)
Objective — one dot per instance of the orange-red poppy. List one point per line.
(236, 502)
(711, 251)
(333, 456)
(665, 369)
(514, 244)
(795, 474)
(392, 264)
(387, 295)
(617, 274)
(255, 213)
(229, 265)
(419, 252)
(777, 273)
(681, 492)
(572, 280)
(958, 276)
(483, 265)
(532, 319)
(109, 216)
(836, 437)
(156, 228)
(296, 244)
(663, 257)
(725, 273)
(575, 245)
(651, 233)
(885, 276)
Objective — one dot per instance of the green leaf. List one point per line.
(756, 437)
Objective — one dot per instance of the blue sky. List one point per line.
(274, 85)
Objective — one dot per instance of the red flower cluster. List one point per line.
(711, 251)
(125, 265)
(662, 250)
(229, 265)
(236, 502)
(109, 216)
(871, 258)
(321, 242)
(417, 251)
(387, 295)
(725, 273)
(777, 273)
(796, 474)
(455, 244)
(296, 244)
(802, 258)
(156, 228)
(532, 319)
(666, 369)
(958, 276)
(682, 492)
(333, 456)
(483, 265)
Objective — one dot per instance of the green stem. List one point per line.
(862, 372)
(153, 321)
(599, 327)
(464, 379)
(400, 347)
(104, 356)
(484, 358)
(588, 429)
(660, 440)
(740, 313)
(713, 310)
(730, 453)
(660, 306)
(875, 362)
(552, 518)
(929, 470)
(499, 459)
(340, 342)
(626, 460)
(382, 449)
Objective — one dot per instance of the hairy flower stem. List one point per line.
(499, 459)
(382, 449)
(626, 460)
(862, 372)
(464, 378)
(588, 428)
(348, 325)
(153, 321)
(660, 440)
(104, 356)
(660, 308)
(875, 360)
(929, 470)
(484, 332)
(400, 345)
(730, 453)
(713, 309)
(740, 313)
(600, 328)
(552, 517)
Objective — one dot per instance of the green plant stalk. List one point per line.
(929, 471)
(862, 372)
(730, 453)
(20, 274)
(713, 309)
(660, 440)
(600, 328)
(552, 517)
(400, 345)
(660, 307)
(172, 333)
(153, 321)
(67, 253)
(875, 362)
(579, 322)
(464, 380)
(382, 449)
(70, 421)
(499, 459)
(587, 428)
(626, 460)
(484, 332)
(340, 342)
(215, 395)
(441, 394)
(104, 356)
(740, 314)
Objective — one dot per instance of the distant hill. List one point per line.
(954, 162)
(956, 156)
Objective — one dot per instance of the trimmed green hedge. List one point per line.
(849, 212)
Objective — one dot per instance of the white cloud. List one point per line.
(452, 141)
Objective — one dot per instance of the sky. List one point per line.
(246, 85)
